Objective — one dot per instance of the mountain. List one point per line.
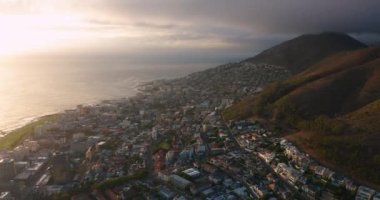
(301, 52)
(331, 110)
(338, 84)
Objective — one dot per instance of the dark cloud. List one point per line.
(260, 16)
(278, 16)
(209, 30)
(250, 25)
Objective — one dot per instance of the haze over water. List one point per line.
(28, 92)
(169, 31)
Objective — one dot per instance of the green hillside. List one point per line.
(333, 107)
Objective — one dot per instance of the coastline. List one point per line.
(19, 135)
(27, 120)
(31, 122)
(15, 122)
(14, 137)
(24, 121)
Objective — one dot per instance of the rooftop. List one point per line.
(192, 172)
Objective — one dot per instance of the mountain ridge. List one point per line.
(313, 47)
(335, 102)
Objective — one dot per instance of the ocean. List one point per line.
(28, 92)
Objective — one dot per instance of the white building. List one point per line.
(364, 193)
(192, 172)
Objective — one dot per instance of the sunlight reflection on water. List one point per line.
(30, 92)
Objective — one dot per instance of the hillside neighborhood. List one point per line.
(170, 141)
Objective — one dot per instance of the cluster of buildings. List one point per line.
(173, 131)
(89, 144)
(301, 174)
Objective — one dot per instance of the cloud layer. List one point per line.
(199, 30)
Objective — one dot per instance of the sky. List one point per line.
(171, 31)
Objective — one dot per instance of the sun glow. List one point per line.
(24, 33)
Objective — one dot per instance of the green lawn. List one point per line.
(16, 136)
